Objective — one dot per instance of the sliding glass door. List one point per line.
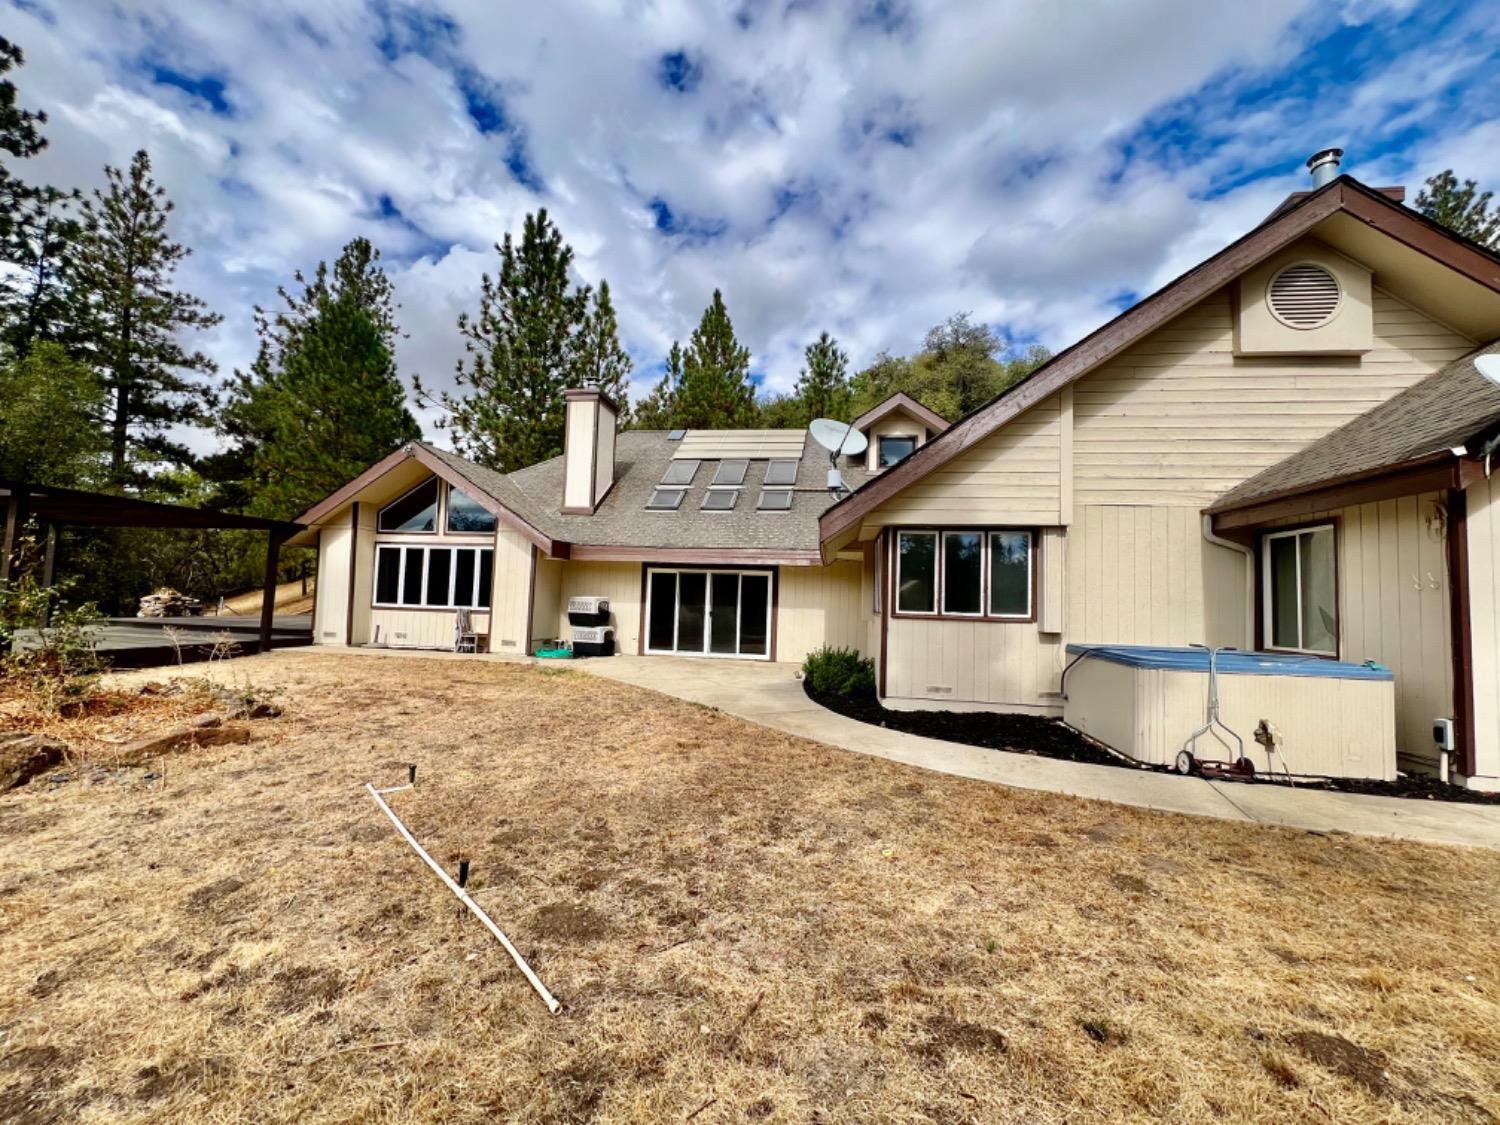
(709, 613)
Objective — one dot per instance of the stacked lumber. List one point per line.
(167, 602)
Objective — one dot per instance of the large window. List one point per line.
(433, 577)
(1299, 590)
(967, 573)
(416, 511)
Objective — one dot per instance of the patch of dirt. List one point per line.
(580, 1087)
(207, 897)
(1102, 1031)
(946, 1034)
(567, 921)
(304, 987)
(1346, 1059)
(1130, 884)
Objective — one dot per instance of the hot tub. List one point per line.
(1335, 719)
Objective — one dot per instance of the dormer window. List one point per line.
(892, 449)
(416, 511)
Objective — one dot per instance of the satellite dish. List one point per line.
(841, 439)
(1487, 365)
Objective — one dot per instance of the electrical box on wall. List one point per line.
(1307, 300)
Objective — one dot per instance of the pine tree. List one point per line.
(36, 232)
(823, 386)
(50, 406)
(522, 353)
(715, 391)
(602, 360)
(1461, 208)
(658, 410)
(124, 270)
(323, 400)
(334, 409)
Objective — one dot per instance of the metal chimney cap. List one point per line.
(1324, 165)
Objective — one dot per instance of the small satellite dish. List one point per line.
(1487, 365)
(841, 439)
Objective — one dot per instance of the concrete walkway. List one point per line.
(768, 694)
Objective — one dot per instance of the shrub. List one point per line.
(59, 663)
(839, 671)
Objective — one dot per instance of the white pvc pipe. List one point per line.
(551, 1001)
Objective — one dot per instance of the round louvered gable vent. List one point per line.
(1304, 295)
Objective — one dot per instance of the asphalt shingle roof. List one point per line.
(1444, 410)
(621, 519)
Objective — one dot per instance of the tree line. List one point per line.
(101, 378)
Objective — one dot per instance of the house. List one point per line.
(1286, 448)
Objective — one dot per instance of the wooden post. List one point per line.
(15, 520)
(49, 568)
(268, 600)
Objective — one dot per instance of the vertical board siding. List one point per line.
(619, 582)
(510, 614)
(1145, 575)
(1179, 418)
(421, 628)
(333, 585)
(364, 575)
(819, 605)
(1394, 605)
(1004, 663)
(1484, 625)
(547, 607)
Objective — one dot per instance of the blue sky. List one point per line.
(866, 167)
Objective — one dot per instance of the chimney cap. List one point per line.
(1324, 165)
(590, 393)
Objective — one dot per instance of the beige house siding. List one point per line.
(1394, 607)
(1010, 478)
(1484, 625)
(619, 582)
(1010, 664)
(1179, 419)
(364, 574)
(331, 619)
(819, 605)
(898, 423)
(546, 600)
(420, 628)
(510, 615)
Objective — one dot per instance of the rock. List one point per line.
(23, 758)
(182, 738)
(208, 721)
(258, 711)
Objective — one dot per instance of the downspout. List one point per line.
(1241, 549)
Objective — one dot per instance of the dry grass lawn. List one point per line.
(741, 926)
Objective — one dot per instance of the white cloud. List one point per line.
(1010, 160)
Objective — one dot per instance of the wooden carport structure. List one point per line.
(55, 507)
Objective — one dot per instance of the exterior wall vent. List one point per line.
(1304, 295)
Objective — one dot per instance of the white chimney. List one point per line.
(588, 449)
(1324, 166)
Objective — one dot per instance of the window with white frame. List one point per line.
(968, 572)
(1299, 590)
(422, 577)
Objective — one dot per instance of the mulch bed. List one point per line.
(1020, 734)
(1052, 738)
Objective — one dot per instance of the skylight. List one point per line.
(731, 472)
(781, 472)
(680, 472)
(720, 499)
(665, 499)
(775, 500)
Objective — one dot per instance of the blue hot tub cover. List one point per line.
(1232, 663)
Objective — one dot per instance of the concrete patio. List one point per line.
(769, 694)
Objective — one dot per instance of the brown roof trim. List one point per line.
(718, 555)
(1343, 194)
(420, 453)
(902, 401)
(1433, 473)
(1395, 194)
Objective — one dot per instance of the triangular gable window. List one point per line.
(416, 511)
(467, 514)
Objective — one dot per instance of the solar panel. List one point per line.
(731, 472)
(720, 499)
(781, 472)
(665, 499)
(775, 500)
(680, 472)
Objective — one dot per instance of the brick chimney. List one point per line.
(588, 449)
